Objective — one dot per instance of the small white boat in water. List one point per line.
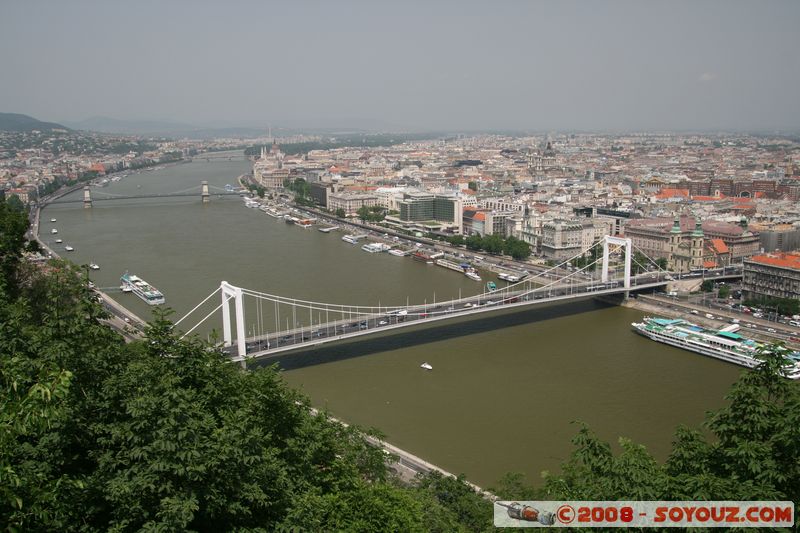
(426, 366)
(59, 241)
(69, 248)
(472, 274)
(54, 231)
(52, 220)
(94, 266)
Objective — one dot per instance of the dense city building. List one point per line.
(559, 193)
(351, 202)
(770, 276)
(687, 244)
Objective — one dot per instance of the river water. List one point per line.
(504, 391)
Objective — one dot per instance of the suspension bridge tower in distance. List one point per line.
(204, 191)
(87, 197)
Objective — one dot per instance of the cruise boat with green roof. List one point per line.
(725, 343)
(142, 289)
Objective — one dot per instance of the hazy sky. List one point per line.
(407, 64)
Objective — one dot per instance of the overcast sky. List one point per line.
(535, 65)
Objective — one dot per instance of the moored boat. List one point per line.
(472, 274)
(305, 222)
(352, 238)
(375, 247)
(141, 288)
(724, 344)
(422, 257)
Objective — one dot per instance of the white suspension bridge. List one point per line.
(285, 324)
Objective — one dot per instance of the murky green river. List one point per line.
(504, 390)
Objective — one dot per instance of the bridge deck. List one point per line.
(135, 197)
(362, 325)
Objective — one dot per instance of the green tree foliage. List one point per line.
(301, 189)
(785, 306)
(473, 511)
(724, 291)
(590, 260)
(493, 244)
(375, 213)
(13, 225)
(640, 263)
(472, 185)
(166, 434)
(474, 242)
(516, 248)
(258, 190)
(340, 213)
(456, 240)
(707, 285)
(496, 245)
(31, 405)
(15, 203)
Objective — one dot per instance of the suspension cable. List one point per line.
(198, 305)
(228, 298)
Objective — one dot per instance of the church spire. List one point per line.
(698, 229)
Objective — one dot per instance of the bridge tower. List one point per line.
(204, 192)
(229, 291)
(628, 249)
(87, 197)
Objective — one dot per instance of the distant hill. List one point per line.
(136, 127)
(19, 122)
(160, 128)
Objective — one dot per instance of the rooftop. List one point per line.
(783, 260)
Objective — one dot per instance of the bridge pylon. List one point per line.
(628, 244)
(229, 291)
(204, 192)
(87, 197)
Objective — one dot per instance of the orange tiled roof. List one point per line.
(784, 260)
(709, 264)
(673, 193)
(719, 246)
(479, 216)
(706, 198)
